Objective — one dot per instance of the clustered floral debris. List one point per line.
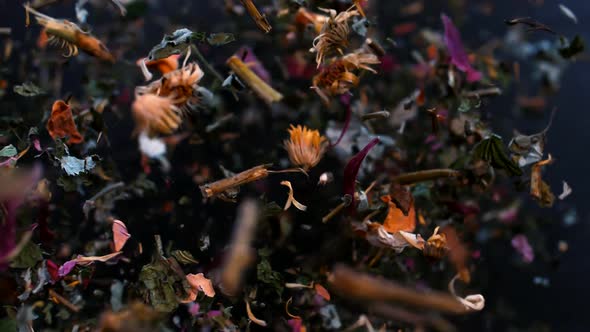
(397, 178)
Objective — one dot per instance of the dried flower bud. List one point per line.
(305, 146)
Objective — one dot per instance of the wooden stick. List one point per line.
(263, 90)
(250, 175)
(428, 175)
(64, 301)
(259, 19)
(365, 287)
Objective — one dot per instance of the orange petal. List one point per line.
(198, 283)
(61, 123)
(322, 291)
(120, 234)
(396, 220)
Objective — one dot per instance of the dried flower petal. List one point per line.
(352, 168)
(540, 190)
(199, 283)
(252, 317)
(61, 123)
(306, 147)
(334, 35)
(567, 190)
(474, 302)
(456, 50)
(66, 268)
(396, 220)
(120, 234)
(521, 244)
(322, 291)
(292, 199)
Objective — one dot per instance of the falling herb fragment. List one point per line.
(352, 168)
(492, 150)
(572, 48)
(457, 52)
(28, 89)
(259, 19)
(246, 75)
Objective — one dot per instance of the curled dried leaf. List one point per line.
(291, 199)
(120, 234)
(396, 220)
(475, 302)
(61, 123)
(252, 317)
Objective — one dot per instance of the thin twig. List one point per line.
(428, 175)
(359, 286)
(64, 301)
(495, 91)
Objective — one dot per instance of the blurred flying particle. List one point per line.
(568, 12)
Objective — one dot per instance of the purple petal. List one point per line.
(456, 50)
(521, 244)
(345, 127)
(65, 269)
(352, 168)
(253, 63)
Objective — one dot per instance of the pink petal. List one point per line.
(37, 144)
(193, 309)
(521, 244)
(295, 324)
(66, 268)
(456, 50)
(120, 234)
(198, 283)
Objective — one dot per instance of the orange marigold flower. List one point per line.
(179, 85)
(155, 114)
(305, 146)
(334, 35)
(339, 77)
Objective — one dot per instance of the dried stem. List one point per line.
(64, 301)
(219, 187)
(334, 212)
(381, 115)
(365, 287)
(263, 90)
(241, 254)
(495, 91)
(259, 19)
(428, 175)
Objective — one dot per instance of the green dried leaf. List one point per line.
(28, 89)
(8, 151)
(220, 39)
(176, 43)
(265, 273)
(492, 150)
(184, 257)
(28, 257)
(162, 286)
